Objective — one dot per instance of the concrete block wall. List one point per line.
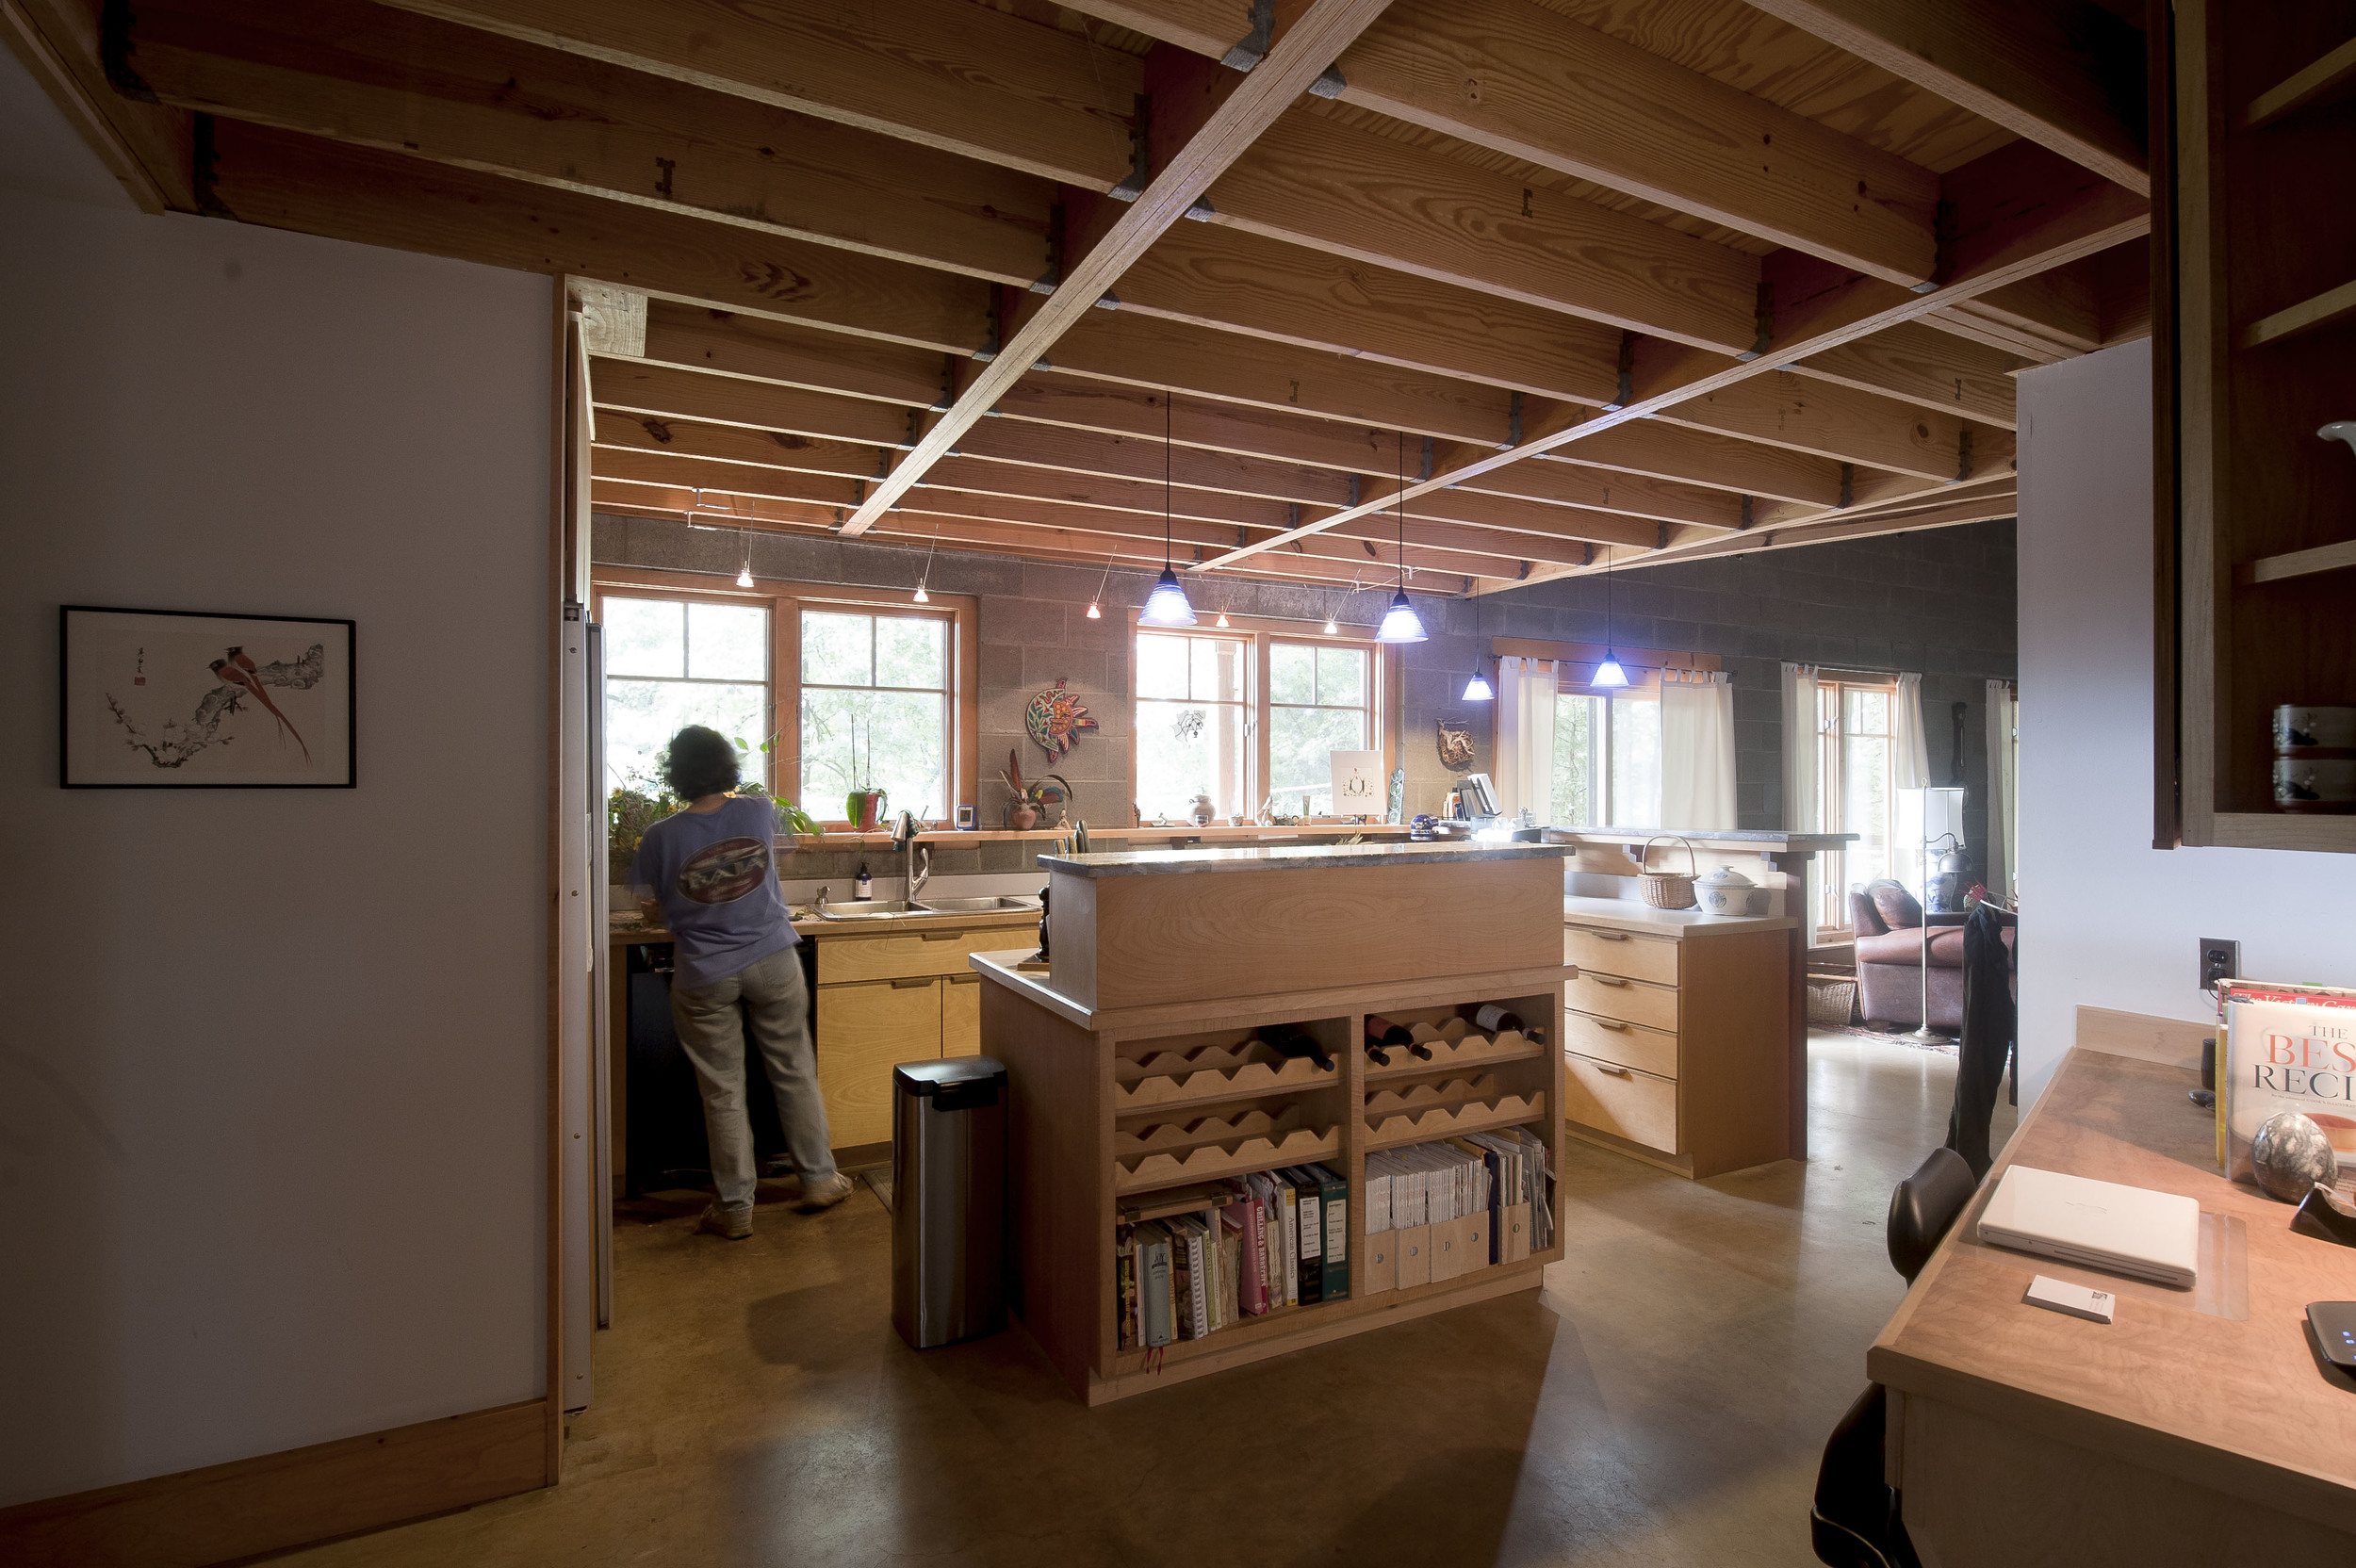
(1940, 602)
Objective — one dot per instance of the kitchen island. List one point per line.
(1146, 1073)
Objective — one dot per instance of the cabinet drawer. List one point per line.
(1621, 1101)
(1653, 1051)
(1629, 1000)
(1608, 950)
(864, 1031)
(906, 952)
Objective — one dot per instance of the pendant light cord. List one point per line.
(1165, 479)
(1402, 512)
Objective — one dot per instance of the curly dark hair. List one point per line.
(700, 761)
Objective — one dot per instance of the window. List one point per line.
(1194, 711)
(1320, 701)
(670, 662)
(796, 674)
(1854, 761)
(1606, 760)
(875, 710)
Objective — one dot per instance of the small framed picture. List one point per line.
(192, 700)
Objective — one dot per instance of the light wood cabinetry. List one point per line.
(2254, 191)
(961, 1015)
(1674, 1042)
(864, 1028)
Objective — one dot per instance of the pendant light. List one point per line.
(1476, 689)
(1607, 673)
(745, 572)
(926, 576)
(1096, 611)
(1330, 628)
(1167, 604)
(1399, 624)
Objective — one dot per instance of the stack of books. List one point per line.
(1437, 1211)
(1255, 1245)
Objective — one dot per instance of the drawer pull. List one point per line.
(1615, 1071)
(1605, 936)
(1611, 1023)
(968, 979)
(911, 982)
(1606, 980)
(940, 935)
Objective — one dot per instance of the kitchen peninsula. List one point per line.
(1202, 1017)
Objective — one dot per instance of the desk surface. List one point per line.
(2242, 1406)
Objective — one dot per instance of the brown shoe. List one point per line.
(735, 1224)
(824, 1195)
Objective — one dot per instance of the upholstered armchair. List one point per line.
(1887, 924)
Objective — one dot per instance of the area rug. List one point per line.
(1947, 1046)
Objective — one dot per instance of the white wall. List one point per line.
(271, 1062)
(2108, 921)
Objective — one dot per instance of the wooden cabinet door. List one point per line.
(961, 1015)
(863, 1031)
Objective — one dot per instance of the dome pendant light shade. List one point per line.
(1221, 622)
(1094, 614)
(1167, 604)
(1608, 673)
(744, 576)
(922, 598)
(1476, 689)
(1399, 624)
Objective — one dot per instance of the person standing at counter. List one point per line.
(709, 869)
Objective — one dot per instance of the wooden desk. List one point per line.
(2020, 1436)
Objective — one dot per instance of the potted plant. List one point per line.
(792, 819)
(1031, 799)
(863, 807)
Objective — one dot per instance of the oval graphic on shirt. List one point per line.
(724, 872)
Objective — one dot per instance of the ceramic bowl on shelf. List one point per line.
(2315, 783)
(1728, 892)
(2300, 728)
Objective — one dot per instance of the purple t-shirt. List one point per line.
(717, 881)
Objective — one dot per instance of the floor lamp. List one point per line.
(1942, 819)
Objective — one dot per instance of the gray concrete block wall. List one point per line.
(1940, 602)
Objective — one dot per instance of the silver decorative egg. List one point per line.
(2290, 1156)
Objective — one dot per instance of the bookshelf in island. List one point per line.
(1262, 1099)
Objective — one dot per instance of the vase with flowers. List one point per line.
(1028, 799)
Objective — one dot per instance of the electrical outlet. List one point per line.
(2219, 960)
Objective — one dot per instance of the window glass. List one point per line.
(1636, 762)
(1194, 719)
(672, 663)
(1342, 676)
(1317, 706)
(1578, 757)
(874, 712)
(1292, 673)
(1161, 666)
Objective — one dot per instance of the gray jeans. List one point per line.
(770, 995)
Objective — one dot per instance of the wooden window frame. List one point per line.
(1385, 695)
(785, 600)
(1832, 792)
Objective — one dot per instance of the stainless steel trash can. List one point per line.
(949, 1200)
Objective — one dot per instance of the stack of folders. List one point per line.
(1257, 1244)
(1438, 1211)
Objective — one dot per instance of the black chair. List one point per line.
(1854, 1522)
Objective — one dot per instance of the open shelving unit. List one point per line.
(2257, 513)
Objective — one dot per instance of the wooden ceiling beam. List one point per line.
(2066, 75)
(960, 77)
(1919, 365)
(1313, 181)
(2013, 214)
(1649, 447)
(286, 181)
(1781, 409)
(1207, 117)
(147, 147)
(401, 82)
(759, 448)
(1239, 282)
(1520, 79)
(786, 354)
(724, 478)
(649, 387)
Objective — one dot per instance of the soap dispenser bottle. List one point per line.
(863, 886)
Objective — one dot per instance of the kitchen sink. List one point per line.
(975, 905)
(868, 909)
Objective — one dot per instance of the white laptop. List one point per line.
(2130, 1230)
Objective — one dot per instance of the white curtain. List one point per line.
(1697, 751)
(2003, 786)
(1525, 761)
(1801, 811)
(1909, 758)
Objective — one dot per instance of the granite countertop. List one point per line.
(1163, 863)
(1767, 837)
(809, 925)
(1629, 915)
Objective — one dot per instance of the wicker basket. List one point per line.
(1831, 1000)
(1668, 890)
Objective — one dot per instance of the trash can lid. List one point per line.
(931, 1077)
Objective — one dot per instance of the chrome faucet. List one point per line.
(916, 860)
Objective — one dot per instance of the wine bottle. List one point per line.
(1378, 1053)
(1381, 1031)
(1288, 1039)
(1494, 1018)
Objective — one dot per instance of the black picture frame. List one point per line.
(99, 736)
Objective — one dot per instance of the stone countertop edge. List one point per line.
(1166, 862)
(1627, 915)
(1700, 836)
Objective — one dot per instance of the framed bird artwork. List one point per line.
(190, 701)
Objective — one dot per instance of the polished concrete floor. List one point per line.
(1660, 1402)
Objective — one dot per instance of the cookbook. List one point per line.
(2287, 1048)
